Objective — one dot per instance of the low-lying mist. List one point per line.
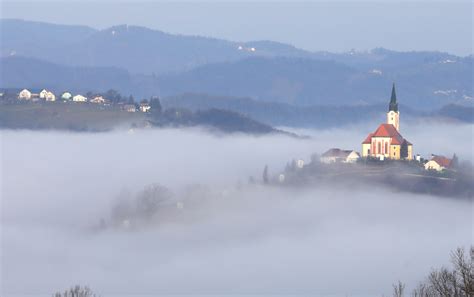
(226, 236)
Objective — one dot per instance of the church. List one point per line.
(387, 142)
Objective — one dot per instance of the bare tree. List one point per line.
(76, 291)
(444, 282)
(398, 289)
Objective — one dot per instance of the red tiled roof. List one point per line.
(387, 130)
(368, 139)
(442, 161)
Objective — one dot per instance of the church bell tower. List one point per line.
(393, 115)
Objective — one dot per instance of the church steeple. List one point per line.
(393, 115)
(393, 106)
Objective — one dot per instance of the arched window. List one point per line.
(386, 147)
(379, 148)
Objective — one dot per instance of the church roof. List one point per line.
(368, 139)
(387, 130)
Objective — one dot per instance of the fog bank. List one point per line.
(234, 240)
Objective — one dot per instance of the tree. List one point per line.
(454, 162)
(150, 199)
(155, 105)
(398, 289)
(131, 100)
(265, 174)
(444, 282)
(76, 291)
(113, 96)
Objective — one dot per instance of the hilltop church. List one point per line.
(387, 142)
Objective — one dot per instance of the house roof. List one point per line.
(442, 161)
(336, 152)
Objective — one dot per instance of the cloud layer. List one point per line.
(248, 240)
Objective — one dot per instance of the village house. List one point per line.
(439, 163)
(47, 95)
(79, 98)
(145, 107)
(386, 141)
(66, 96)
(129, 108)
(98, 100)
(24, 95)
(336, 155)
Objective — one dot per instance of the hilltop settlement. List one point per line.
(387, 158)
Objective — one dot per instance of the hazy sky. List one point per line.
(313, 25)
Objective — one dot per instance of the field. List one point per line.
(67, 116)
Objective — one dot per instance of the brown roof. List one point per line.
(442, 161)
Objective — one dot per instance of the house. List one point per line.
(50, 97)
(43, 94)
(387, 142)
(438, 163)
(66, 96)
(47, 95)
(24, 95)
(79, 98)
(129, 108)
(98, 100)
(145, 107)
(336, 155)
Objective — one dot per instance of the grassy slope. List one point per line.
(66, 116)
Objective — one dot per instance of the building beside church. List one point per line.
(387, 142)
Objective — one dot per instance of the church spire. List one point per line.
(393, 106)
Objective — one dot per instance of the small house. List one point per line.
(98, 100)
(79, 98)
(66, 96)
(438, 163)
(336, 155)
(145, 107)
(50, 96)
(24, 95)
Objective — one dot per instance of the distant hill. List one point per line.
(279, 114)
(136, 49)
(282, 114)
(144, 62)
(20, 72)
(305, 82)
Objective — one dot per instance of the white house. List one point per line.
(50, 96)
(145, 107)
(438, 163)
(66, 96)
(43, 94)
(47, 95)
(24, 95)
(79, 98)
(336, 155)
(98, 100)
